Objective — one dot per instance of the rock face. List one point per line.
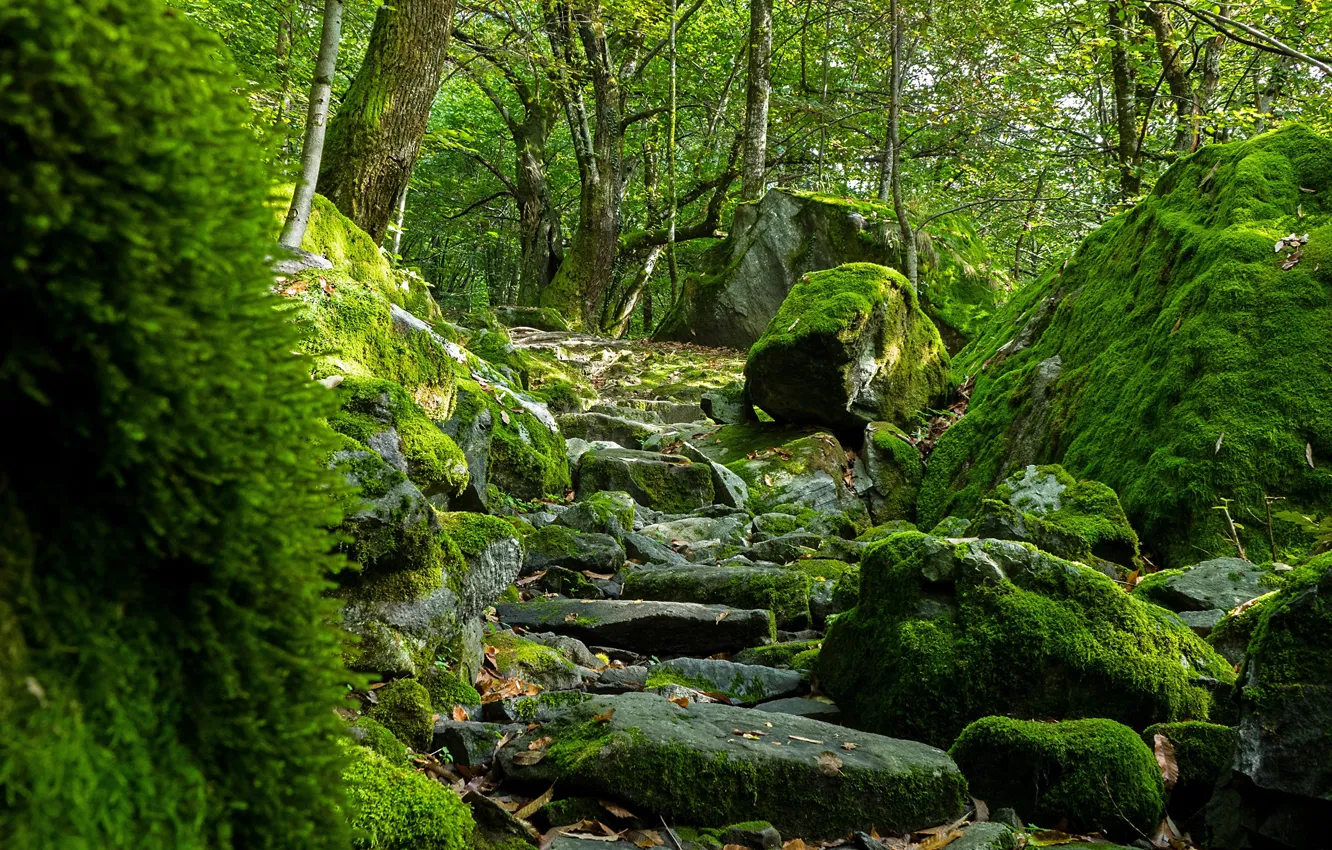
(742, 683)
(688, 763)
(1220, 584)
(948, 631)
(849, 346)
(745, 278)
(1169, 358)
(1279, 792)
(655, 628)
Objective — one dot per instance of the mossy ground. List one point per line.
(1092, 775)
(1174, 324)
(394, 808)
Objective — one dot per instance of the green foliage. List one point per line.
(168, 673)
(406, 710)
(1185, 356)
(776, 654)
(1092, 774)
(394, 808)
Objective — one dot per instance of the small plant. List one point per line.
(1319, 529)
(1234, 527)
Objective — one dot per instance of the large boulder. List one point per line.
(947, 631)
(661, 482)
(740, 683)
(688, 762)
(1170, 358)
(742, 281)
(849, 346)
(888, 473)
(1219, 584)
(1279, 791)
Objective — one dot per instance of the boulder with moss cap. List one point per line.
(945, 632)
(661, 482)
(849, 346)
(686, 762)
(784, 592)
(395, 808)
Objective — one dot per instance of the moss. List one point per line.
(608, 508)
(447, 690)
(377, 737)
(820, 569)
(553, 541)
(1174, 324)
(885, 530)
(405, 709)
(738, 690)
(516, 656)
(473, 532)
(393, 808)
(527, 459)
(1203, 751)
(807, 660)
(1288, 647)
(528, 708)
(371, 405)
(1092, 774)
(776, 654)
(931, 646)
(573, 810)
(783, 592)
(495, 347)
(672, 486)
(809, 343)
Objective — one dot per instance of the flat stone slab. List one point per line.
(784, 592)
(714, 765)
(745, 683)
(1221, 583)
(652, 628)
(803, 707)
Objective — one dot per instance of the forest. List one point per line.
(681, 424)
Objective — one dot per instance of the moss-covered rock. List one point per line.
(496, 348)
(1047, 507)
(1218, 584)
(894, 469)
(662, 482)
(741, 684)
(507, 445)
(394, 808)
(448, 691)
(518, 657)
(603, 512)
(784, 592)
(1173, 325)
(541, 318)
(1092, 774)
(849, 346)
(946, 632)
(776, 654)
(686, 763)
(405, 709)
(1203, 752)
(370, 733)
(557, 546)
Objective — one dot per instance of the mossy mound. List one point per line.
(1203, 753)
(1172, 357)
(167, 667)
(404, 708)
(370, 733)
(394, 808)
(946, 632)
(448, 691)
(1092, 775)
(777, 654)
(849, 346)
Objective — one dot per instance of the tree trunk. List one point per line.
(895, 143)
(375, 138)
(399, 221)
(540, 237)
(756, 102)
(298, 216)
(1176, 76)
(1126, 114)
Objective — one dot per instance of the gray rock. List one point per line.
(571, 648)
(601, 513)
(986, 836)
(1221, 583)
(293, 261)
(754, 837)
(729, 489)
(661, 482)
(728, 405)
(787, 548)
(473, 437)
(469, 742)
(784, 592)
(1202, 622)
(744, 683)
(557, 546)
(601, 426)
(893, 469)
(655, 628)
(693, 529)
(622, 679)
(643, 549)
(647, 417)
(803, 707)
(542, 708)
(644, 744)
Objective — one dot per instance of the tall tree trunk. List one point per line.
(1211, 78)
(895, 143)
(298, 216)
(282, 63)
(754, 157)
(539, 234)
(1176, 75)
(1126, 114)
(375, 138)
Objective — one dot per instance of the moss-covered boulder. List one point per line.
(687, 763)
(740, 283)
(1093, 775)
(1280, 789)
(741, 684)
(541, 318)
(520, 658)
(395, 808)
(604, 512)
(662, 482)
(946, 632)
(777, 654)
(372, 734)
(650, 628)
(168, 667)
(404, 708)
(849, 346)
(1219, 584)
(784, 592)
(1170, 357)
(891, 469)
(1045, 506)
(1203, 752)
(557, 546)
(492, 558)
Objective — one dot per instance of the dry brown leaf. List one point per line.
(683, 702)
(1217, 447)
(829, 764)
(541, 743)
(504, 416)
(459, 713)
(1165, 757)
(941, 839)
(528, 759)
(617, 810)
(849, 745)
(535, 805)
(600, 576)
(721, 616)
(605, 717)
(982, 810)
(644, 839)
(794, 844)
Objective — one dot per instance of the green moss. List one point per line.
(553, 541)
(674, 486)
(923, 653)
(738, 690)
(1092, 774)
(393, 808)
(785, 593)
(516, 656)
(820, 569)
(473, 532)
(776, 654)
(609, 508)
(527, 459)
(807, 660)
(1203, 751)
(404, 708)
(447, 690)
(377, 737)
(1174, 324)
(528, 708)
(168, 662)
(371, 405)
(1288, 647)
(495, 347)
(573, 810)
(885, 530)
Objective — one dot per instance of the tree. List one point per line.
(752, 173)
(374, 141)
(316, 119)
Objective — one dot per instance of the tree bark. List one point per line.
(321, 91)
(1126, 114)
(1176, 75)
(754, 157)
(375, 138)
(895, 143)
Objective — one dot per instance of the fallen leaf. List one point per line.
(504, 416)
(721, 616)
(1308, 454)
(1165, 757)
(332, 381)
(459, 713)
(541, 743)
(1179, 321)
(733, 847)
(535, 805)
(599, 576)
(1292, 261)
(1217, 447)
(644, 838)
(1050, 838)
(794, 844)
(604, 717)
(683, 702)
(618, 811)
(982, 810)
(528, 759)
(849, 745)
(806, 740)
(829, 764)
